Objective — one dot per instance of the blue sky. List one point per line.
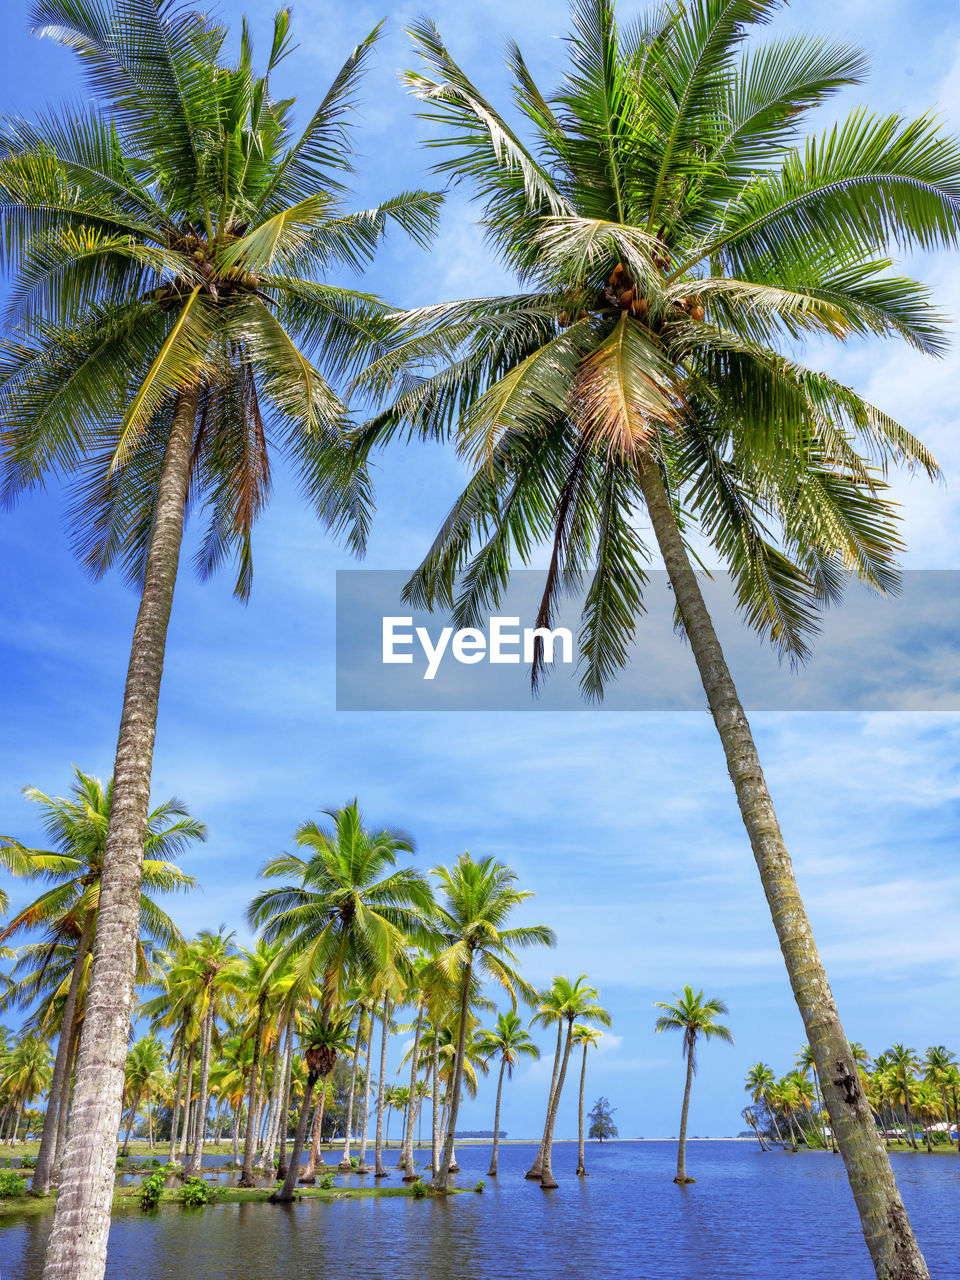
(624, 824)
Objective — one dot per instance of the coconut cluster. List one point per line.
(621, 292)
(219, 281)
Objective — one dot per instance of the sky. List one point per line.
(623, 824)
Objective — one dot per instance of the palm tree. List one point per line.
(569, 1002)
(347, 912)
(759, 1083)
(694, 1016)
(794, 1095)
(77, 827)
(585, 1036)
(673, 241)
(506, 1041)
(142, 1076)
(477, 899)
(938, 1067)
(26, 1075)
(806, 1065)
(165, 245)
(902, 1068)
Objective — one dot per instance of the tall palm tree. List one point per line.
(808, 1067)
(575, 1001)
(902, 1066)
(794, 1096)
(938, 1067)
(587, 1037)
(142, 1075)
(323, 1039)
(506, 1041)
(759, 1083)
(26, 1075)
(476, 901)
(264, 990)
(674, 235)
(346, 912)
(695, 1017)
(166, 244)
(77, 826)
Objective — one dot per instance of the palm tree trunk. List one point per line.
(435, 1110)
(409, 1173)
(187, 1103)
(130, 1119)
(16, 1121)
(77, 1248)
(290, 1181)
(150, 1121)
(65, 1096)
(365, 1119)
(40, 1184)
(285, 1108)
(581, 1167)
(442, 1176)
(250, 1138)
(773, 1117)
(886, 1227)
(908, 1121)
(273, 1112)
(492, 1171)
(547, 1180)
(536, 1169)
(175, 1113)
(345, 1166)
(236, 1131)
(196, 1155)
(310, 1172)
(378, 1170)
(682, 1144)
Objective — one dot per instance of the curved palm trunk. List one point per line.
(250, 1137)
(776, 1125)
(378, 1170)
(276, 1089)
(435, 1109)
(16, 1121)
(345, 1166)
(908, 1121)
(547, 1180)
(187, 1103)
(536, 1169)
(65, 1096)
(130, 1119)
(495, 1153)
(886, 1227)
(282, 1165)
(77, 1248)
(175, 1116)
(409, 1173)
(682, 1144)
(751, 1121)
(310, 1172)
(236, 1132)
(581, 1167)
(59, 1081)
(196, 1155)
(365, 1121)
(286, 1192)
(442, 1175)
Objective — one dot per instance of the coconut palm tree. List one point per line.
(476, 901)
(807, 1066)
(938, 1066)
(142, 1076)
(67, 913)
(586, 1036)
(573, 1001)
(902, 1066)
(26, 1076)
(674, 235)
(322, 1038)
(794, 1096)
(506, 1041)
(695, 1017)
(347, 910)
(166, 244)
(759, 1082)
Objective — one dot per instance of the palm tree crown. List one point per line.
(694, 1016)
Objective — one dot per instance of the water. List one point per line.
(750, 1216)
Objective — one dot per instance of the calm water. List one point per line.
(750, 1216)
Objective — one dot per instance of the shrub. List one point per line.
(479, 1187)
(152, 1188)
(327, 1182)
(11, 1184)
(195, 1193)
(418, 1188)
